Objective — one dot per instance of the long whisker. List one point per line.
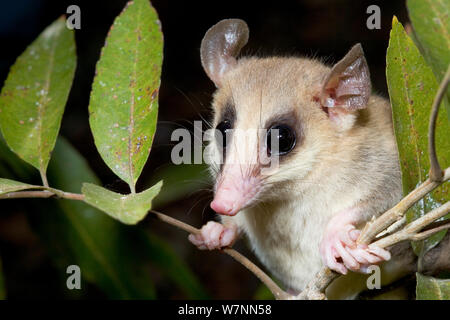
(197, 202)
(194, 106)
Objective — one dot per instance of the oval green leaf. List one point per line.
(7, 186)
(124, 99)
(431, 23)
(412, 87)
(35, 93)
(429, 288)
(129, 209)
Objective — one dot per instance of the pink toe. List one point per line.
(228, 237)
(347, 258)
(354, 234)
(384, 254)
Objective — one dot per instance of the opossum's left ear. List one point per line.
(347, 88)
(220, 46)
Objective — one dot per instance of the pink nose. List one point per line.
(223, 206)
(235, 191)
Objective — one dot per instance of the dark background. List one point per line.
(319, 28)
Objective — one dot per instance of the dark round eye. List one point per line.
(223, 127)
(285, 136)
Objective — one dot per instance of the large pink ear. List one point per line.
(347, 88)
(220, 46)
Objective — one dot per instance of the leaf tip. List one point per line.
(394, 21)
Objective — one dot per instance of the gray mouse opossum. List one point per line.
(337, 157)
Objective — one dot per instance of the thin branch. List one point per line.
(48, 193)
(315, 290)
(435, 169)
(433, 215)
(373, 228)
(435, 224)
(393, 228)
(411, 230)
(27, 194)
(67, 195)
(278, 293)
(430, 232)
(175, 222)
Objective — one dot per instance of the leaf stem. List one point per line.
(44, 178)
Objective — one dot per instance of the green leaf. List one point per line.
(11, 166)
(124, 99)
(129, 209)
(33, 98)
(7, 186)
(412, 87)
(429, 288)
(2, 283)
(431, 23)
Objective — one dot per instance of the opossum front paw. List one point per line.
(214, 235)
(340, 251)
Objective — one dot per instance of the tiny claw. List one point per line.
(382, 253)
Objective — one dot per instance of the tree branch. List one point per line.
(435, 169)
(425, 234)
(411, 231)
(373, 228)
(278, 293)
(47, 193)
(27, 194)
